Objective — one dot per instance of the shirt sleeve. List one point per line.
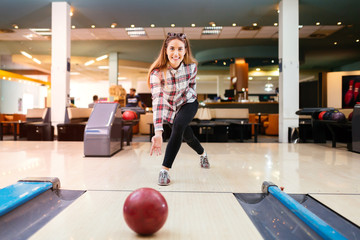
(192, 81)
(157, 101)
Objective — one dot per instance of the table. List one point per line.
(242, 126)
(14, 123)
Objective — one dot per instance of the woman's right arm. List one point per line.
(157, 106)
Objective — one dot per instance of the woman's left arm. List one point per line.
(192, 80)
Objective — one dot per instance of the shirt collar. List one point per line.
(173, 71)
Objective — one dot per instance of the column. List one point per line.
(113, 70)
(60, 61)
(288, 66)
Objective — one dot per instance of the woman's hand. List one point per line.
(157, 141)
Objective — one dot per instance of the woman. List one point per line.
(172, 81)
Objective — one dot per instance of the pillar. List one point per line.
(60, 61)
(113, 70)
(288, 66)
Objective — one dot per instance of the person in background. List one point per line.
(133, 100)
(172, 80)
(95, 100)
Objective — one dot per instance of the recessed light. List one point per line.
(250, 78)
(113, 25)
(255, 24)
(101, 58)
(71, 14)
(73, 27)
(224, 63)
(172, 25)
(258, 69)
(335, 43)
(92, 26)
(152, 25)
(132, 25)
(338, 23)
(317, 23)
(272, 61)
(193, 25)
(234, 24)
(15, 26)
(357, 40)
(213, 25)
(89, 62)
(275, 24)
(103, 67)
(269, 78)
(301, 26)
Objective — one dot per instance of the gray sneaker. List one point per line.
(164, 178)
(204, 162)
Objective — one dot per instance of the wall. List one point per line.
(334, 87)
(12, 91)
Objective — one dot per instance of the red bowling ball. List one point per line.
(145, 211)
(129, 115)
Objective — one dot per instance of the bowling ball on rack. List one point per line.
(129, 115)
(321, 114)
(338, 116)
(327, 115)
(350, 116)
(145, 211)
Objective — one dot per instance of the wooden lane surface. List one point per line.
(192, 215)
(346, 205)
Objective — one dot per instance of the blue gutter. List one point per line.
(323, 229)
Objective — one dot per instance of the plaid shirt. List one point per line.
(167, 98)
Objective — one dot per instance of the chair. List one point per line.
(272, 125)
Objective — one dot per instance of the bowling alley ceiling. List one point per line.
(329, 32)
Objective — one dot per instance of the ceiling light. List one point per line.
(258, 69)
(213, 25)
(317, 23)
(42, 31)
(172, 25)
(152, 25)
(255, 24)
(278, 11)
(103, 67)
(122, 78)
(74, 73)
(71, 14)
(73, 27)
(193, 25)
(135, 32)
(338, 23)
(275, 24)
(250, 78)
(272, 61)
(234, 24)
(269, 78)
(15, 26)
(37, 61)
(211, 30)
(101, 58)
(301, 26)
(335, 43)
(269, 87)
(113, 25)
(89, 62)
(357, 40)
(224, 63)
(132, 25)
(92, 26)
(26, 54)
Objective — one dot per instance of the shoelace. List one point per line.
(204, 160)
(163, 175)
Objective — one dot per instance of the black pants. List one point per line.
(180, 130)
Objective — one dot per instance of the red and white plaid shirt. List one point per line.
(169, 96)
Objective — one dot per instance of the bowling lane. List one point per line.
(235, 167)
(192, 215)
(345, 205)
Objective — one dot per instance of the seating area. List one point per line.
(74, 126)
